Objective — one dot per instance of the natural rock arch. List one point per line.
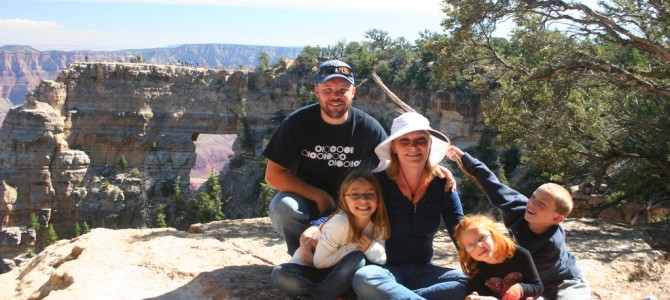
(59, 149)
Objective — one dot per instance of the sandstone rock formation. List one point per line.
(62, 150)
(232, 260)
(5, 105)
(23, 67)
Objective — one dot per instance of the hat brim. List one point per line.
(331, 76)
(438, 148)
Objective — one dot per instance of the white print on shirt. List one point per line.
(335, 155)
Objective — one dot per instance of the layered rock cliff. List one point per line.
(5, 105)
(105, 142)
(23, 67)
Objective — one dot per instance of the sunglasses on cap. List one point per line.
(330, 70)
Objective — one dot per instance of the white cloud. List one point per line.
(10, 24)
(44, 34)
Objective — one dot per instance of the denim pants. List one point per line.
(409, 282)
(308, 282)
(572, 289)
(290, 215)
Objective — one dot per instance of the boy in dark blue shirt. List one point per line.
(535, 225)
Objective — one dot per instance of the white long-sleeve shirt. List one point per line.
(333, 245)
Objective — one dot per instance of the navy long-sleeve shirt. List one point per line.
(413, 227)
(552, 259)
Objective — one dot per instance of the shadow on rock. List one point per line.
(231, 282)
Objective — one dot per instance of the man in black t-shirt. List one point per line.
(312, 152)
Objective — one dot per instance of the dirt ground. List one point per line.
(616, 258)
(232, 259)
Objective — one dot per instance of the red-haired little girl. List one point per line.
(494, 265)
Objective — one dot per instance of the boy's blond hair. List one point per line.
(561, 196)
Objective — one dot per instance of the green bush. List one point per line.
(77, 230)
(123, 162)
(33, 222)
(207, 206)
(161, 216)
(52, 237)
(178, 206)
(135, 173)
(85, 228)
(266, 194)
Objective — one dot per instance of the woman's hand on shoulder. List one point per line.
(443, 172)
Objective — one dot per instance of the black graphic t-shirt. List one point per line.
(322, 154)
(496, 279)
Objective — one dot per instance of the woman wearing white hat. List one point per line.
(416, 202)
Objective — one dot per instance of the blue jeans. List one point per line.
(309, 282)
(573, 289)
(409, 282)
(290, 215)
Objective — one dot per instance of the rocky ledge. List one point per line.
(232, 260)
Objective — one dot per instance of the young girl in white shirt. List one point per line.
(355, 232)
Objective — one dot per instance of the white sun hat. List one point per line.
(406, 123)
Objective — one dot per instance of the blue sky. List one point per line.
(133, 24)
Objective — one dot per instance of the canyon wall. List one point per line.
(23, 67)
(105, 142)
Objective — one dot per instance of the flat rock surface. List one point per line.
(232, 259)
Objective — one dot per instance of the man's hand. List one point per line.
(282, 179)
(325, 203)
(308, 241)
(363, 243)
(443, 172)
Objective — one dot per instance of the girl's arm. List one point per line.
(511, 203)
(376, 253)
(476, 285)
(333, 244)
(532, 284)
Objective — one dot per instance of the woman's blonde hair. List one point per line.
(379, 218)
(503, 244)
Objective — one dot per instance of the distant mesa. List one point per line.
(24, 66)
(18, 48)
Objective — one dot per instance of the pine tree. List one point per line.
(52, 237)
(263, 62)
(77, 229)
(266, 194)
(178, 208)
(123, 162)
(200, 211)
(85, 228)
(216, 197)
(160, 216)
(33, 222)
(207, 206)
